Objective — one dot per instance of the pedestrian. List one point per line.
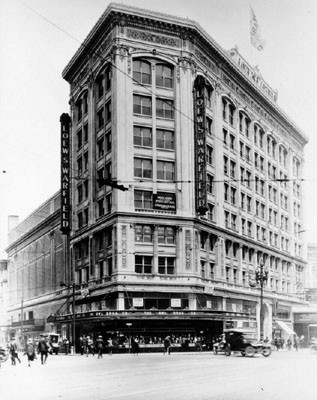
(135, 346)
(167, 345)
(289, 343)
(100, 345)
(66, 344)
(90, 346)
(301, 342)
(110, 345)
(43, 348)
(14, 352)
(81, 346)
(30, 351)
(296, 342)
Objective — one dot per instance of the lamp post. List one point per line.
(129, 324)
(72, 285)
(261, 278)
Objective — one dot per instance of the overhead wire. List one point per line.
(146, 87)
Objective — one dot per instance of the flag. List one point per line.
(255, 32)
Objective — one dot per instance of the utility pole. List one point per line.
(261, 278)
(22, 324)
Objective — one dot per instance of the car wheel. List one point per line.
(266, 352)
(249, 351)
(227, 351)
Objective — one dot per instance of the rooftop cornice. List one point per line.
(115, 13)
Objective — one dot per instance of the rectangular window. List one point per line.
(164, 108)
(108, 138)
(101, 207)
(86, 161)
(80, 193)
(143, 264)
(165, 139)
(165, 170)
(166, 265)
(143, 199)
(143, 234)
(79, 139)
(209, 126)
(211, 212)
(108, 111)
(100, 147)
(79, 166)
(210, 180)
(100, 118)
(142, 105)
(142, 136)
(166, 235)
(209, 154)
(164, 76)
(142, 168)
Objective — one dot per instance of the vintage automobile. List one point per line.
(313, 344)
(243, 341)
(4, 354)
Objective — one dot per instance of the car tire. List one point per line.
(227, 351)
(266, 352)
(249, 351)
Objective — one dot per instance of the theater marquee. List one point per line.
(200, 145)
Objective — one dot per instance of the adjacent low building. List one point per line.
(36, 253)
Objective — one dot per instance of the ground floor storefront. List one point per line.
(189, 330)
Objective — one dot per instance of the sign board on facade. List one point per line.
(164, 201)
(200, 145)
(305, 317)
(137, 302)
(65, 173)
(176, 303)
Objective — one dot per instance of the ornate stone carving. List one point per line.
(153, 38)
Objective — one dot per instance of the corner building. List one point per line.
(213, 170)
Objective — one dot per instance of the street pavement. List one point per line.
(285, 375)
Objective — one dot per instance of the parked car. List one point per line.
(243, 341)
(4, 354)
(313, 344)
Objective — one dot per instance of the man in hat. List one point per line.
(100, 345)
(43, 348)
(30, 351)
(14, 352)
(167, 345)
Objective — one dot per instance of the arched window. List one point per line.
(282, 156)
(258, 136)
(228, 110)
(142, 72)
(164, 76)
(244, 123)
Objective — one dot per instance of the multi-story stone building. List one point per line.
(36, 266)
(212, 168)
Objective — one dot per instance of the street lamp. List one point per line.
(72, 285)
(129, 324)
(261, 278)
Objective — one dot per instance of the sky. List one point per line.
(39, 37)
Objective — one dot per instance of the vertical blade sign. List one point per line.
(200, 145)
(65, 173)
